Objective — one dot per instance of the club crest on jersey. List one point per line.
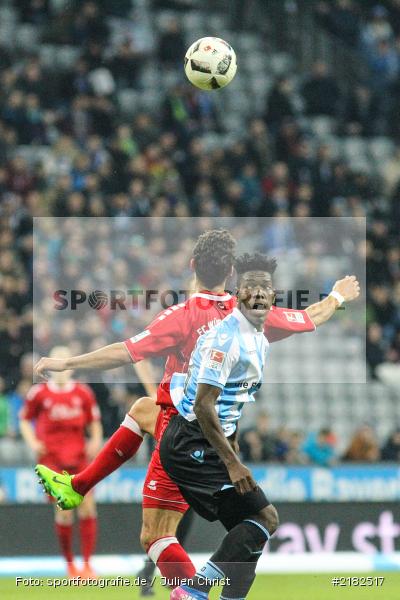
(216, 360)
(294, 317)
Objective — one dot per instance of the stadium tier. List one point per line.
(112, 164)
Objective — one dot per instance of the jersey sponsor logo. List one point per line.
(198, 455)
(140, 336)
(216, 360)
(152, 485)
(294, 317)
(59, 412)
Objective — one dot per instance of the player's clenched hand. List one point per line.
(241, 478)
(349, 287)
(46, 364)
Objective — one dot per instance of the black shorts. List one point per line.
(202, 477)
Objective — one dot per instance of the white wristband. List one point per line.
(337, 297)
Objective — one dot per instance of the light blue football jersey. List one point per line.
(232, 357)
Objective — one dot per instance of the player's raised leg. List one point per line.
(122, 445)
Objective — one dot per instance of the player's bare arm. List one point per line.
(107, 357)
(29, 436)
(347, 288)
(204, 409)
(95, 440)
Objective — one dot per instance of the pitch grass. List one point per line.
(266, 587)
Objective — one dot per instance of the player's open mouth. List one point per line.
(258, 307)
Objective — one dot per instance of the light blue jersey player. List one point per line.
(197, 449)
(231, 357)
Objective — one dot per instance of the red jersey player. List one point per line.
(173, 334)
(62, 411)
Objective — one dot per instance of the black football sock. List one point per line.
(235, 560)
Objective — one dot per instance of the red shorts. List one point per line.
(73, 466)
(159, 491)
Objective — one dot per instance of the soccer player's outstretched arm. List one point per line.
(159, 337)
(344, 290)
(204, 409)
(107, 357)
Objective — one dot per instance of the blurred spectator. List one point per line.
(171, 45)
(377, 28)
(390, 172)
(282, 443)
(34, 11)
(384, 66)
(375, 348)
(258, 444)
(279, 103)
(342, 19)
(259, 145)
(393, 353)
(295, 454)
(323, 180)
(321, 93)
(319, 448)
(4, 410)
(126, 65)
(361, 112)
(363, 446)
(89, 25)
(391, 449)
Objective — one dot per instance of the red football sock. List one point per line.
(64, 534)
(121, 446)
(171, 558)
(88, 535)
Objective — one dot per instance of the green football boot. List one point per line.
(59, 486)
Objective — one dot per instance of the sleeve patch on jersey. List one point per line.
(216, 360)
(294, 317)
(140, 336)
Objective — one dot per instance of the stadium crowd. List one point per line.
(99, 163)
(261, 443)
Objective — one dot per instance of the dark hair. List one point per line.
(214, 255)
(255, 262)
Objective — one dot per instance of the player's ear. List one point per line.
(191, 264)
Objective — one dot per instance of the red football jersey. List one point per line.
(174, 332)
(61, 415)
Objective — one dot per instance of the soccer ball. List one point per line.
(210, 63)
